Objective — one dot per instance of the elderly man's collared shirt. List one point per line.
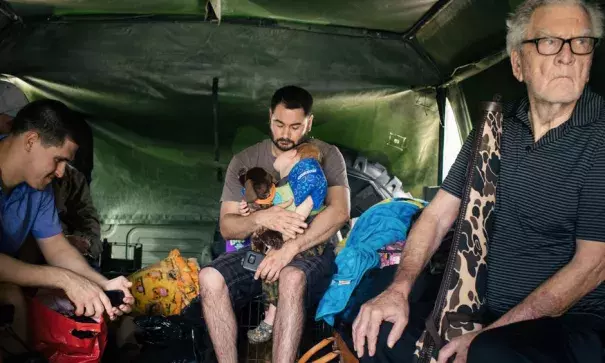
(550, 193)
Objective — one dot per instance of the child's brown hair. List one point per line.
(308, 150)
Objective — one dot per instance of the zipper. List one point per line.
(427, 352)
(441, 299)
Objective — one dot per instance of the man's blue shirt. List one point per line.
(27, 210)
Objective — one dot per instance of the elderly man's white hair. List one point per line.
(518, 22)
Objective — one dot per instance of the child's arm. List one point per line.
(244, 210)
(305, 208)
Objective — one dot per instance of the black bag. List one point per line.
(175, 339)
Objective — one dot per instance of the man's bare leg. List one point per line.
(288, 327)
(13, 295)
(219, 315)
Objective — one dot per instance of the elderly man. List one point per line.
(302, 281)
(545, 297)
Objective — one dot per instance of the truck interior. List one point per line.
(172, 89)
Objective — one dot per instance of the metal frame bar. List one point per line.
(428, 16)
(441, 99)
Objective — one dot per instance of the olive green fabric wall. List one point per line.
(390, 15)
(146, 84)
(147, 89)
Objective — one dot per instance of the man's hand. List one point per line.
(274, 262)
(121, 283)
(244, 209)
(80, 243)
(88, 297)
(391, 306)
(278, 219)
(458, 346)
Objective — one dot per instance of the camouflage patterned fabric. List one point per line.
(462, 294)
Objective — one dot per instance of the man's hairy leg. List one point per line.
(219, 315)
(288, 326)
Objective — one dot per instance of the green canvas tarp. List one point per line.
(147, 87)
(143, 71)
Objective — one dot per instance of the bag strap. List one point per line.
(328, 357)
(346, 356)
(459, 296)
(316, 348)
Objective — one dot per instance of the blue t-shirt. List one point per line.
(27, 210)
(307, 179)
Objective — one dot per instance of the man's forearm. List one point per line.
(422, 242)
(24, 274)
(67, 257)
(234, 226)
(555, 296)
(324, 226)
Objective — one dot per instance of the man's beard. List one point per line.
(289, 144)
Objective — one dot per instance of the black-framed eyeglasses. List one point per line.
(553, 45)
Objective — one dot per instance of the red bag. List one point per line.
(52, 336)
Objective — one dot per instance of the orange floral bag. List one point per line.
(166, 287)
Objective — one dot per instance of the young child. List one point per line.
(258, 191)
(303, 181)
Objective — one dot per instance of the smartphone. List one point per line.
(251, 260)
(116, 297)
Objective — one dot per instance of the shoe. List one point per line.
(261, 334)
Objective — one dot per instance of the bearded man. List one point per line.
(225, 284)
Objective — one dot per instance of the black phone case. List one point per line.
(252, 260)
(116, 297)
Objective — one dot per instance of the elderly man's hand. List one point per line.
(459, 347)
(276, 218)
(274, 262)
(391, 306)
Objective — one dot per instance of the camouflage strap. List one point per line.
(462, 294)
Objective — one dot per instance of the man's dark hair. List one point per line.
(293, 97)
(51, 119)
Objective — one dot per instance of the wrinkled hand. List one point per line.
(121, 283)
(244, 209)
(80, 243)
(276, 218)
(391, 306)
(458, 346)
(274, 262)
(87, 297)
